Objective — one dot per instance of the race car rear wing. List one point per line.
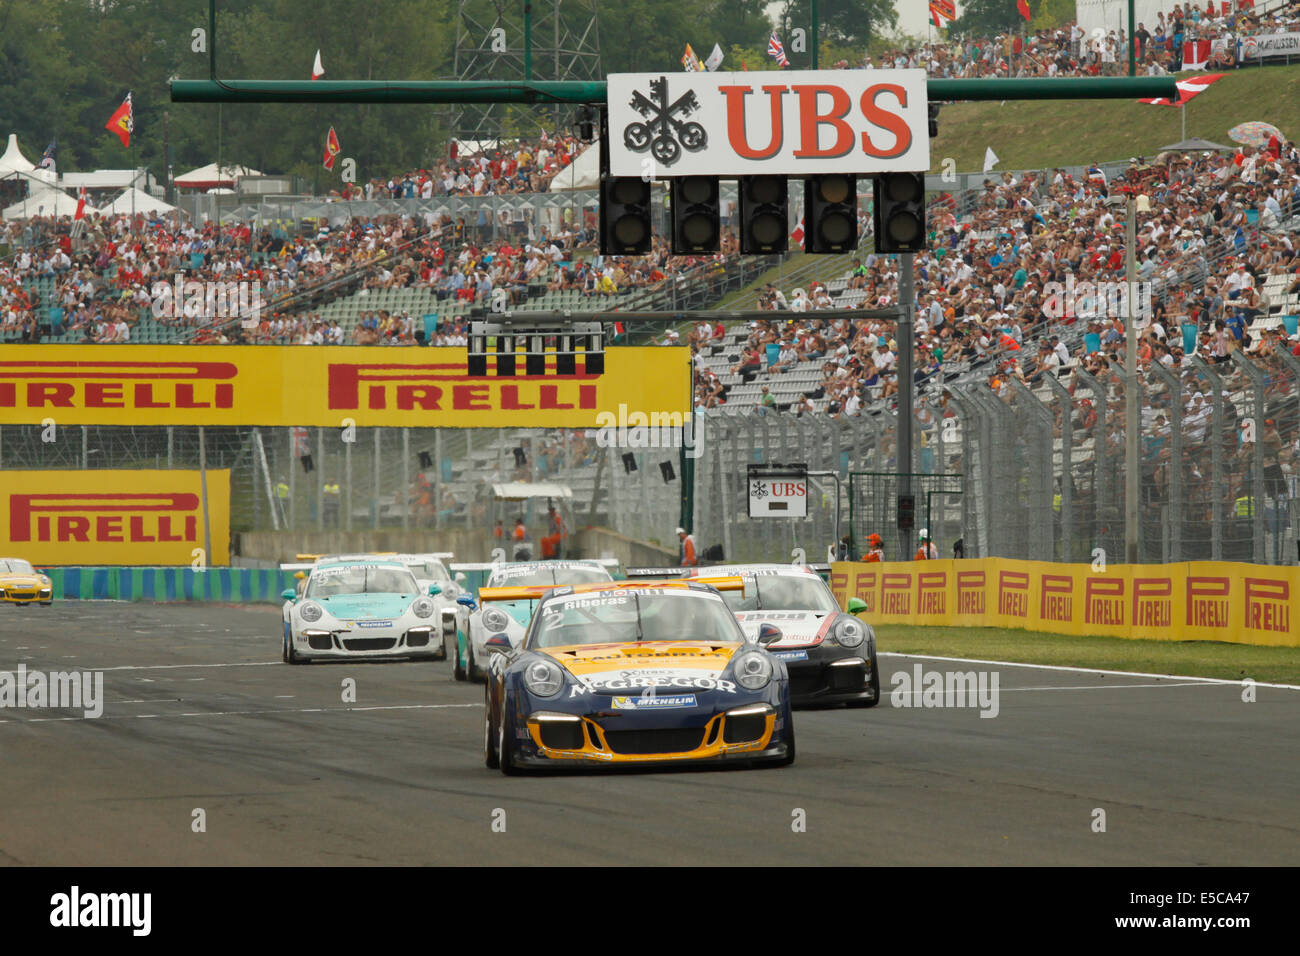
(489, 565)
(655, 572)
(822, 569)
(533, 592)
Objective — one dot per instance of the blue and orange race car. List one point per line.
(628, 673)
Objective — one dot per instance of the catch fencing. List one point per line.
(1032, 469)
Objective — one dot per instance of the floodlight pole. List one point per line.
(1131, 475)
(1132, 39)
(906, 350)
(813, 38)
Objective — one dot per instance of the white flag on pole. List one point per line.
(317, 71)
(990, 159)
(714, 59)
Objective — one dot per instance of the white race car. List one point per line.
(468, 648)
(830, 653)
(362, 607)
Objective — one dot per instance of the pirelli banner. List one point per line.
(1206, 601)
(114, 517)
(324, 386)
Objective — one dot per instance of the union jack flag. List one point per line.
(776, 50)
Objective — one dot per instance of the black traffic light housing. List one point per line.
(625, 225)
(764, 216)
(831, 213)
(696, 212)
(899, 215)
(906, 512)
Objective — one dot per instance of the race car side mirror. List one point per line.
(434, 590)
(857, 605)
(288, 594)
(768, 634)
(497, 644)
(467, 601)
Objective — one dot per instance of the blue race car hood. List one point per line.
(367, 607)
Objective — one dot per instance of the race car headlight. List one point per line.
(495, 620)
(753, 669)
(422, 607)
(543, 678)
(311, 613)
(849, 632)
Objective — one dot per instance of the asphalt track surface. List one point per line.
(200, 713)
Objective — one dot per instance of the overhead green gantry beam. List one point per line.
(594, 92)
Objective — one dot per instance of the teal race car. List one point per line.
(359, 608)
(466, 639)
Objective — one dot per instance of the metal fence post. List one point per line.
(1259, 553)
(1214, 434)
(404, 490)
(1065, 483)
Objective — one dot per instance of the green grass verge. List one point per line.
(1276, 665)
(1038, 134)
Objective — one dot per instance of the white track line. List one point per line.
(1086, 670)
(246, 713)
(168, 667)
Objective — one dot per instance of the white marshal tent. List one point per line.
(210, 177)
(13, 160)
(137, 201)
(44, 201)
(582, 173)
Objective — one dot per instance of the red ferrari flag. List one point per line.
(122, 122)
(81, 204)
(1023, 7)
(332, 149)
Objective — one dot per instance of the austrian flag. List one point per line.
(1192, 86)
(122, 122)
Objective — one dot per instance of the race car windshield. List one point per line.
(624, 618)
(364, 579)
(430, 570)
(782, 592)
(15, 566)
(561, 574)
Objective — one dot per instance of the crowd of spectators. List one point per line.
(1039, 259)
(1069, 51)
(105, 269)
(492, 168)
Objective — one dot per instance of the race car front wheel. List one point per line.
(789, 736)
(506, 739)
(472, 670)
(491, 757)
(290, 654)
(453, 651)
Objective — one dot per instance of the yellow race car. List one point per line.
(20, 583)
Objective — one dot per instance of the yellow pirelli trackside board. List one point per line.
(107, 518)
(326, 385)
(1195, 601)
